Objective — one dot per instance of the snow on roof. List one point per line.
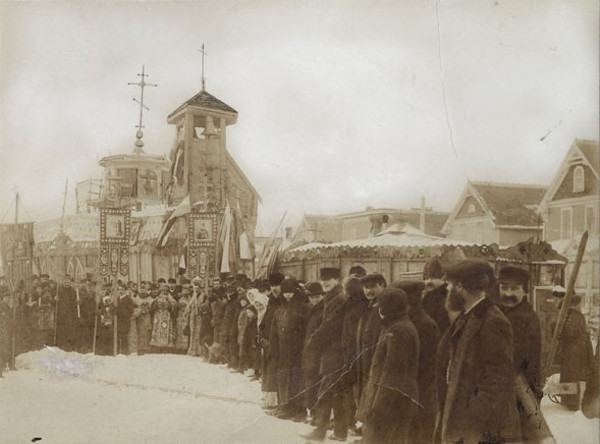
(397, 235)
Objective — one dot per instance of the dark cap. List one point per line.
(161, 281)
(313, 289)
(514, 275)
(263, 286)
(172, 281)
(327, 273)
(412, 288)
(44, 276)
(276, 278)
(373, 279)
(392, 302)
(433, 270)
(240, 277)
(289, 286)
(357, 271)
(473, 274)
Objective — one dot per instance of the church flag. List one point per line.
(226, 240)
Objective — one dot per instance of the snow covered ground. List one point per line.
(71, 398)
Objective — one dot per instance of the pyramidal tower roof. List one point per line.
(205, 100)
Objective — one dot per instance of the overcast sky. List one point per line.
(342, 104)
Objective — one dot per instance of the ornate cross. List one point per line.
(142, 84)
(203, 78)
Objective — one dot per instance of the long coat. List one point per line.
(434, 305)
(354, 308)
(429, 336)
(391, 395)
(66, 318)
(286, 341)
(367, 336)
(475, 378)
(326, 341)
(527, 340)
(310, 359)
(269, 364)
(575, 354)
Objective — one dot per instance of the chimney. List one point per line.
(288, 233)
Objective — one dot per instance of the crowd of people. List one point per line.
(415, 361)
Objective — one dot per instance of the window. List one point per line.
(590, 220)
(566, 223)
(578, 179)
(471, 209)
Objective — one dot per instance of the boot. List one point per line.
(317, 434)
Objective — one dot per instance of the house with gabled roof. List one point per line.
(498, 213)
(570, 207)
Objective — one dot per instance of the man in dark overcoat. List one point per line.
(369, 327)
(354, 308)
(66, 315)
(310, 359)
(434, 296)
(575, 354)
(391, 397)
(429, 336)
(124, 312)
(476, 385)
(527, 332)
(326, 342)
(286, 341)
(269, 368)
(229, 319)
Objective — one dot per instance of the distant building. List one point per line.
(570, 207)
(503, 214)
(363, 224)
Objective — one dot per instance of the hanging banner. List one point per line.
(202, 243)
(16, 249)
(115, 226)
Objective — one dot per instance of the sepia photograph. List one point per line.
(272, 222)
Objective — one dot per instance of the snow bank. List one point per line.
(167, 372)
(165, 398)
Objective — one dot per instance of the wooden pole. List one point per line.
(562, 316)
(96, 314)
(115, 331)
(56, 315)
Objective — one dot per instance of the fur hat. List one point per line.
(327, 273)
(392, 302)
(433, 270)
(276, 279)
(514, 275)
(473, 274)
(313, 289)
(372, 279)
(413, 289)
(289, 286)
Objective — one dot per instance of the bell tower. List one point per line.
(199, 154)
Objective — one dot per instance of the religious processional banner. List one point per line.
(202, 244)
(16, 251)
(115, 226)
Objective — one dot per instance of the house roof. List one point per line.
(510, 204)
(590, 149)
(205, 100)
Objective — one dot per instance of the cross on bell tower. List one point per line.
(139, 143)
(203, 78)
